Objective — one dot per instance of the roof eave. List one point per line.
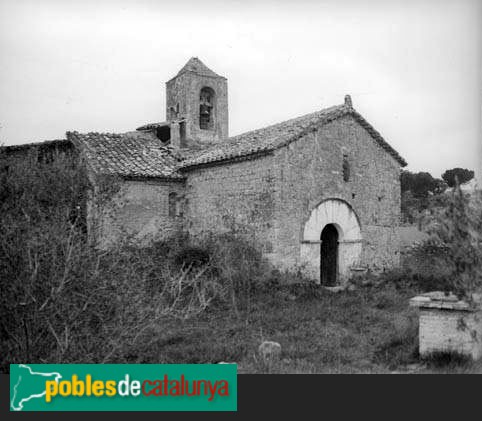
(227, 160)
(128, 177)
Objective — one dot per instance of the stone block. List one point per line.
(448, 326)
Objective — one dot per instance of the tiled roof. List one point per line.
(133, 154)
(197, 66)
(273, 137)
(142, 154)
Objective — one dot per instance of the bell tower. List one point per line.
(197, 105)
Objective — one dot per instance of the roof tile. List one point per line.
(275, 136)
(142, 154)
(133, 154)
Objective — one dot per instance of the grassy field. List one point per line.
(369, 330)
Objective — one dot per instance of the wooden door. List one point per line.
(329, 255)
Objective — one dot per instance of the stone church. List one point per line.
(319, 193)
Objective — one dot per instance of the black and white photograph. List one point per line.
(291, 187)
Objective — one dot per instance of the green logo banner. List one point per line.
(123, 387)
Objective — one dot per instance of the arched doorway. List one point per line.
(329, 255)
(332, 215)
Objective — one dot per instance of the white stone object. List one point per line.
(270, 350)
(449, 325)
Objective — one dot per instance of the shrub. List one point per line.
(447, 359)
(426, 266)
(239, 266)
(63, 301)
(456, 233)
(191, 257)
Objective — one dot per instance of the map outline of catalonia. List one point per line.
(19, 406)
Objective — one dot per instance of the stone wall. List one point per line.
(176, 93)
(137, 211)
(310, 170)
(236, 197)
(448, 325)
(272, 197)
(450, 331)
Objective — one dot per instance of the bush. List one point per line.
(447, 359)
(239, 266)
(456, 233)
(63, 301)
(189, 257)
(426, 266)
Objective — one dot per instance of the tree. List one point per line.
(462, 175)
(421, 184)
(410, 207)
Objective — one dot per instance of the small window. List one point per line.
(176, 205)
(346, 168)
(182, 134)
(172, 204)
(179, 207)
(172, 113)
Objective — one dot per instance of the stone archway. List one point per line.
(339, 215)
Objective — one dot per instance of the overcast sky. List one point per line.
(413, 68)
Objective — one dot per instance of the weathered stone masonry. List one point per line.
(183, 103)
(272, 196)
(140, 211)
(237, 197)
(310, 171)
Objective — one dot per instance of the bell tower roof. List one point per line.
(197, 66)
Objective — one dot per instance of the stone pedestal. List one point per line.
(447, 324)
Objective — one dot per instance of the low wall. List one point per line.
(448, 325)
